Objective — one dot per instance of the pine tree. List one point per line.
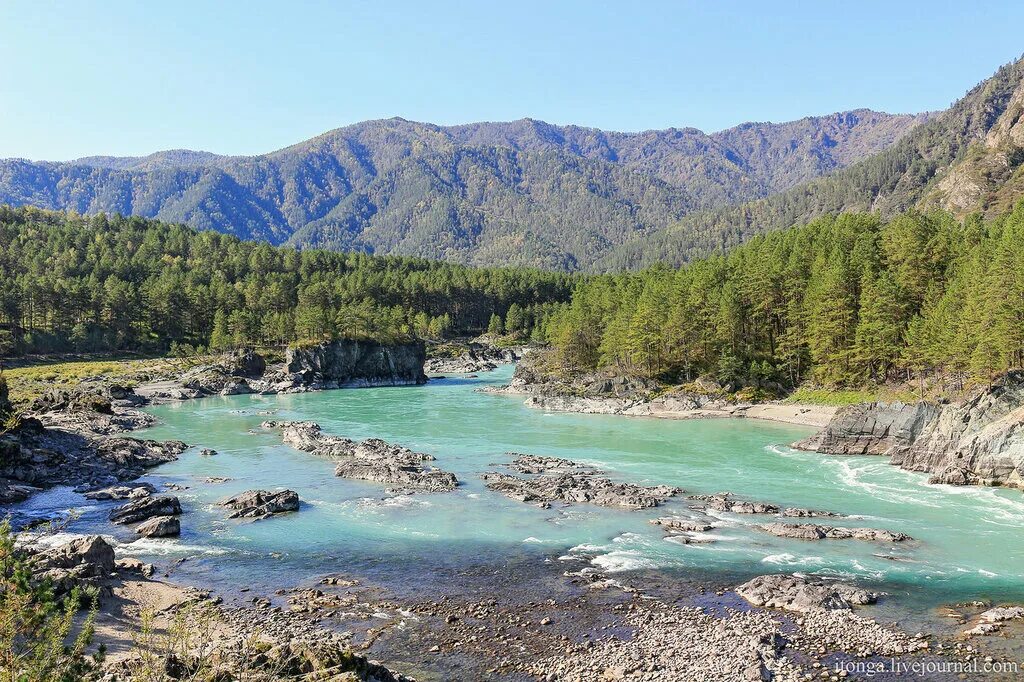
(220, 338)
(495, 326)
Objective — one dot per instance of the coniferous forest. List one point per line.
(846, 300)
(108, 283)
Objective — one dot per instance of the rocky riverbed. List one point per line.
(588, 627)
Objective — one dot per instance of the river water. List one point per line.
(968, 541)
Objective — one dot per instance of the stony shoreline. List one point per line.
(548, 624)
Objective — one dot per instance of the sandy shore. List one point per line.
(796, 413)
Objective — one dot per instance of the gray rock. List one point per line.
(1002, 613)
(800, 512)
(357, 363)
(727, 504)
(566, 481)
(91, 551)
(801, 594)
(979, 441)
(685, 525)
(811, 531)
(159, 527)
(260, 504)
(122, 492)
(145, 508)
(370, 460)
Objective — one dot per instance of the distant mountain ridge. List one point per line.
(522, 192)
(967, 158)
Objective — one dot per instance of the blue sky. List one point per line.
(129, 78)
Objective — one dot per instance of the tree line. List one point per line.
(102, 283)
(844, 300)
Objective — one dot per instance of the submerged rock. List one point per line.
(811, 531)
(159, 527)
(145, 508)
(795, 593)
(727, 504)
(685, 525)
(133, 491)
(260, 504)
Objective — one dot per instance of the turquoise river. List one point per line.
(968, 541)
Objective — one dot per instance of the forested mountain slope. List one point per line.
(967, 158)
(523, 192)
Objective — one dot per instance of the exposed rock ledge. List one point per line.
(979, 441)
(566, 481)
(34, 457)
(370, 460)
(332, 364)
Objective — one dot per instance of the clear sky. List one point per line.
(129, 78)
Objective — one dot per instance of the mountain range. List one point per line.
(564, 197)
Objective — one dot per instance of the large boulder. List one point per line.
(357, 363)
(795, 593)
(159, 527)
(145, 508)
(259, 504)
(91, 552)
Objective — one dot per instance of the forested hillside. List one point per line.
(72, 283)
(852, 299)
(968, 158)
(524, 192)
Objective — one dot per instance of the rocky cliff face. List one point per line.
(358, 363)
(979, 441)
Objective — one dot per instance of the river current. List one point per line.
(967, 541)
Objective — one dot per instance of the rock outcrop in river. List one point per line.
(561, 480)
(813, 531)
(331, 364)
(979, 441)
(358, 363)
(373, 459)
(261, 504)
